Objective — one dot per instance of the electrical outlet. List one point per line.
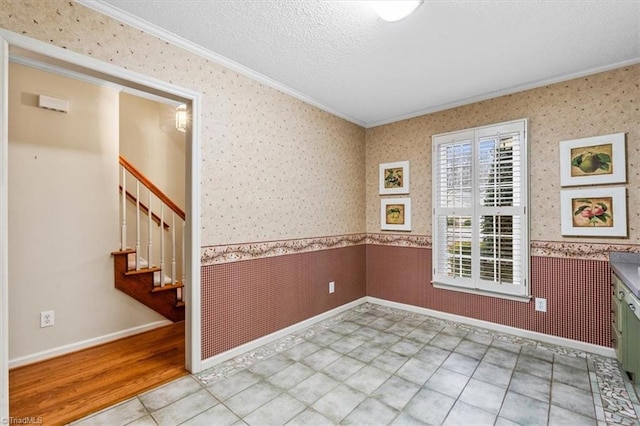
(46, 319)
(332, 287)
(541, 304)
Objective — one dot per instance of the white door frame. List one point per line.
(193, 334)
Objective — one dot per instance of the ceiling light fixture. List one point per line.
(392, 11)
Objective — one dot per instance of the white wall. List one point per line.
(150, 141)
(63, 215)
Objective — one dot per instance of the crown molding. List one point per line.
(154, 30)
(194, 48)
(508, 91)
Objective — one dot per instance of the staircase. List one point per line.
(154, 286)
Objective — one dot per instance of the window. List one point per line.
(480, 195)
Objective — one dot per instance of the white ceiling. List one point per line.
(340, 56)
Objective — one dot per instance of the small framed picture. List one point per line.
(593, 161)
(395, 214)
(598, 212)
(394, 178)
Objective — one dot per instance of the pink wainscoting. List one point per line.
(243, 301)
(577, 293)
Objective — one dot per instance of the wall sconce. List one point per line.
(181, 118)
(394, 10)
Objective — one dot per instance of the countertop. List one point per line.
(626, 265)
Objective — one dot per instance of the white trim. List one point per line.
(472, 138)
(4, 227)
(270, 338)
(54, 69)
(137, 79)
(192, 47)
(171, 91)
(84, 344)
(193, 327)
(534, 335)
(481, 292)
(161, 33)
(508, 91)
(50, 68)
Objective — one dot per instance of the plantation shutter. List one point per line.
(479, 217)
(453, 202)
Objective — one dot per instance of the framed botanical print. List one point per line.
(598, 212)
(395, 214)
(593, 161)
(394, 178)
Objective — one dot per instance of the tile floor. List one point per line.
(375, 365)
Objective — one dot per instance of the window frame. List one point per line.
(517, 291)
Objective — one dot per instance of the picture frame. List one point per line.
(593, 161)
(395, 214)
(597, 212)
(394, 178)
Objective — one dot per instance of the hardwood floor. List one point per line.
(72, 386)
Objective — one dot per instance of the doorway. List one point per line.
(14, 45)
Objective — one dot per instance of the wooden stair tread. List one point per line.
(140, 286)
(180, 304)
(166, 287)
(142, 271)
(122, 252)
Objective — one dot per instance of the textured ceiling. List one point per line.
(340, 56)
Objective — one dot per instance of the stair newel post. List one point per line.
(123, 227)
(173, 248)
(149, 230)
(137, 225)
(162, 244)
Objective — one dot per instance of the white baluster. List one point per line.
(123, 230)
(181, 294)
(183, 251)
(162, 274)
(137, 225)
(149, 231)
(173, 248)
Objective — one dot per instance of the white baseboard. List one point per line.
(254, 344)
(73, 347)
(541, 337)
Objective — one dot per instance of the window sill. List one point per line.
(524, 299)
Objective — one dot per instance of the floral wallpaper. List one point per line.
(273, 167)
(598, 104)
(277, 169)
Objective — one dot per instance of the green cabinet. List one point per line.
(625, 327)
(618, 296)
(631, 357)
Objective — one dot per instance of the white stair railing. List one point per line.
(123, 211)
(155, 197)
(162, 239)
(184, 228)
(150, 231)
(138, 256)
(173, 248)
